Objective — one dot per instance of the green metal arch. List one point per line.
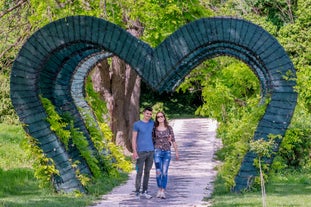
(55, 61)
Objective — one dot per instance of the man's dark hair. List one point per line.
(148, 108)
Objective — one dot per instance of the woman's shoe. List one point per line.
(163, 195)
(159, 194)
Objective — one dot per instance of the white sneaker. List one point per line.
(163, 195)
(159, 194)
(147, 195)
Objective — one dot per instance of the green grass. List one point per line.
(19, 187)
(11, 153)
(290, 189)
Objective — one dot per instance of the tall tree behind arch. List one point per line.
(118, 84)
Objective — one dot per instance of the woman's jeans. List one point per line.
(162, 160)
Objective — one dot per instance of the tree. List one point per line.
(119, 85)
(296, 40)
(14, 31)
(262, 148)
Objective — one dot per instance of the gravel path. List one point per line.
(190, 179)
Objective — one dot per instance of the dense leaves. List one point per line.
(159, 18)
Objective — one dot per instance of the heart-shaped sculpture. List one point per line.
(55, 61)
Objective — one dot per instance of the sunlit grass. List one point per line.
(11, 153)
(291, 189)
(19, 187)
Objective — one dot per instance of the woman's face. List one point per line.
(160, 117)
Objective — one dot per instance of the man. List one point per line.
(143, 150)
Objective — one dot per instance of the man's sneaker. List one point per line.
(137, 195)
(147, 195)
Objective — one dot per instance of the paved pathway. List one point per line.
(190, 179)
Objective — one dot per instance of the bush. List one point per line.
(295, 149)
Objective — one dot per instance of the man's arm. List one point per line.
(134, 145)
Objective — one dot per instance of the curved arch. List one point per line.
(55, 61)
(207, 38)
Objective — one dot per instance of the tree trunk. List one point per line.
(119, 86)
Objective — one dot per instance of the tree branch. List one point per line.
(17, 42)
(19, 4)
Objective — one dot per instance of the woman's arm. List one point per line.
(176, 150)
(173, 142)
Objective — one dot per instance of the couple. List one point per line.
(151, 141)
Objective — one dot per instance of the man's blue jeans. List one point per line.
(162, 160)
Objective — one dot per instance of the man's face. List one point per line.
(147, 115)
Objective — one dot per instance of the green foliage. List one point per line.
(44, 167)
(295, 149)
(294, 36)
(96, 102)
(174, 104)
(228, 84)
(7, 113)
(57, 123)
(26, 153)
(296, 40)
(44, 12)
(261, 147)
(111, 155)
(65, 131)
(277, 12)
(14, 30)
(119, 161)
(159, 18)
(82, 144)
(20, 188)
(231, 95)
(236, 135)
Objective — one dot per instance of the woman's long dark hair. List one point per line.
(156, 124)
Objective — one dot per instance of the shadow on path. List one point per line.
(190, 179)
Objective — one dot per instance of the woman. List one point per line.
(163, 138)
